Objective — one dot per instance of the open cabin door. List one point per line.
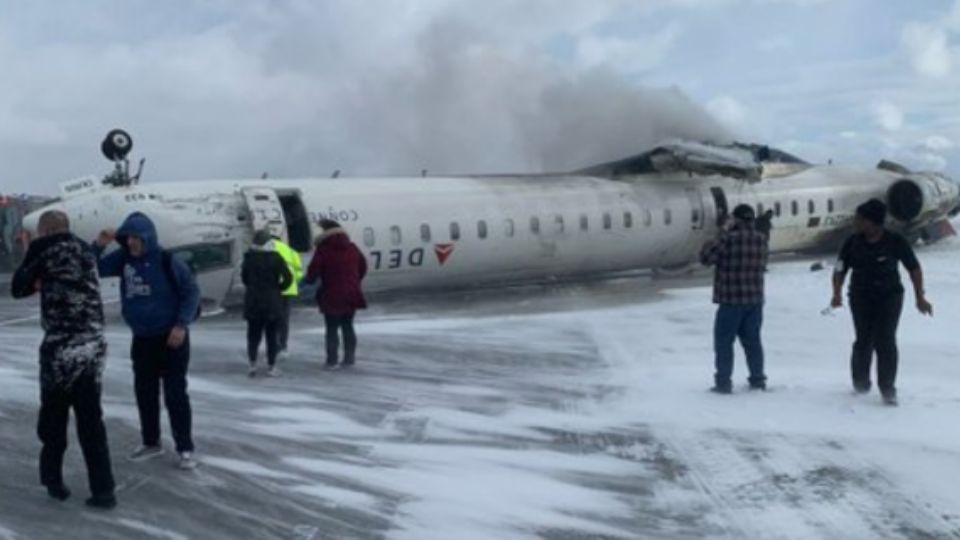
(266, 212)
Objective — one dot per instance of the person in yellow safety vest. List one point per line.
(292, 258)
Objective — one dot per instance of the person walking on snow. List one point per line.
(873, 254)
(265, 277)
(340, 266)
(72, 355)
(160, 300)
(295, 265)
(739, 254)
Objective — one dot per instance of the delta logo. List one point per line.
(443, 251)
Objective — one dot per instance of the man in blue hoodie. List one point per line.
(160, 298)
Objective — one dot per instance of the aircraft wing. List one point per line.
(736, 161)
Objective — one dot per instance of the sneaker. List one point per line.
(329, 366)
(104, 502)
(145, 452)
(890, 398)
(860, 388)
(273, 371)
(722, 390)
(186, 461)
(252, 371)
(60, 493)
(282, 355)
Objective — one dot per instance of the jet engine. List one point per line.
(921, 197)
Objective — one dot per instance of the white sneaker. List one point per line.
(252, 371)
(144, 452)
(282, 355)
(273, 371)
(186, 461)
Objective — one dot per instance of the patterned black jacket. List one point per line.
(72, 313)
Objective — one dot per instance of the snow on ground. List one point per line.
(564, 411)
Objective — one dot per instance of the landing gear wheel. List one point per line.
(116, 145)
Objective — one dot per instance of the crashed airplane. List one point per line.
(653, 210)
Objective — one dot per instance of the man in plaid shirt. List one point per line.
(740, 256)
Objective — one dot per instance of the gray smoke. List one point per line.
(464, 106)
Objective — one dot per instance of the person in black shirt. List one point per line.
(876, 295)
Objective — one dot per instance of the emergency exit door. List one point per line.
(697, 217)
(266, 212)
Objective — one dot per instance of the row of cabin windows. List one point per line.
(509, 227)
(509, 230)
(795, 208)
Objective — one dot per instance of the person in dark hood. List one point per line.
(265, 277)
(61, 267)
(739, 254)
(765, 223)
(874, 253)
(340, 266)
(160, 299)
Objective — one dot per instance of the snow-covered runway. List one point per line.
(571, 411)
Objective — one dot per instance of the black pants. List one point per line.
(55, 405)
(875, 319)
(336, 324)
(256, 328)
(153, 362)
(283, 326)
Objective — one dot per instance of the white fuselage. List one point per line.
(460, 231)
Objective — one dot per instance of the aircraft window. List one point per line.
(454, 231)
(794, 208)
(584, 222)
(777, 209)
(395, 236)
(481, 229)
(205, 257)
(425, 232)
(811, 207)
(508, 228)
(558, 224)
(535, 225)
(607, 221)
(647, 218)
(368, 237)
(830, 205)
(695, 216)
(759, 209)
(627, 220)
(667, 216)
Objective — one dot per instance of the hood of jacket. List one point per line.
(334, 239)
(139, 225)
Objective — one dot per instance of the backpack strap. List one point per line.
(166, 259)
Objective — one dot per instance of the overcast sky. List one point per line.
(219, 88)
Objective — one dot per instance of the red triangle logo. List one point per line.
(443, 251)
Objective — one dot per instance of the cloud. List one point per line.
(776, 44)
(937, 143)
(630, 56)
(888, 116)
(952, 19)
(929, 49)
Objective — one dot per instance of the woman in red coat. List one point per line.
(340, 266)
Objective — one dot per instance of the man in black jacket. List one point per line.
(876, 295)
(72, 354)
(265, 277)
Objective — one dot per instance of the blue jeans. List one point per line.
(743, 321)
